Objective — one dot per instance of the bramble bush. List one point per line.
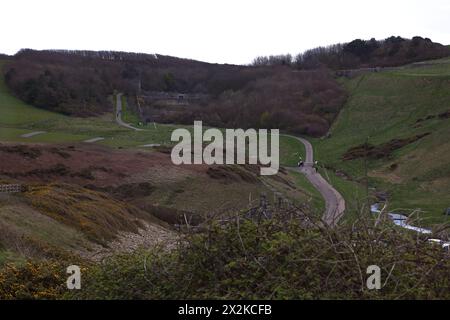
(290, 256)
(286, 257)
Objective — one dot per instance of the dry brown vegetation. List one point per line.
(380, 151)
(79, 82)
(304, 102)
(80, 196)
(95, 214)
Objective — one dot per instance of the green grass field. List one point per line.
(128, 116)
(384, 106)
(314, 196)
(437, 68)
(15, 113)
(355, 194)
(290, 151)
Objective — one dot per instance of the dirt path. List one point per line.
(119, 114)
(335, 203)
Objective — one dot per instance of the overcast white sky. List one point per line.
(228, 31)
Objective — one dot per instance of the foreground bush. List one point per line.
(280, 258)
(33, 280)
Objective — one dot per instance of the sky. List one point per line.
(230, 31)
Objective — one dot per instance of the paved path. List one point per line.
(32, 134)
(151, 145)
(335, 203)
(119, 114)
(94, 140)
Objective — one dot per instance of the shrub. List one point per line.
(287, 257)
(33, 280)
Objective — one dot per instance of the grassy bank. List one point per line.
(388, 106)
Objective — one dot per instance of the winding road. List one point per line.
(119, 120)
(334, 202)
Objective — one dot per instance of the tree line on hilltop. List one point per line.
(297, 94)
(390, 52)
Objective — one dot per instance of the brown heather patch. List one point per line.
(380, 151)
(96, 214)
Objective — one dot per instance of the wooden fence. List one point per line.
(10, 188)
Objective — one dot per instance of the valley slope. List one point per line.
(397, 120)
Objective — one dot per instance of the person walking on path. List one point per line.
(300, 162)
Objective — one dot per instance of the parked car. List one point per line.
(443, 244)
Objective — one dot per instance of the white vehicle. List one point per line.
(445, 245)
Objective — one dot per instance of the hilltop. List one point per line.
(390, 52)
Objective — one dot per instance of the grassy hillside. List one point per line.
(14, 112)
(17, 118)
(399, 104)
